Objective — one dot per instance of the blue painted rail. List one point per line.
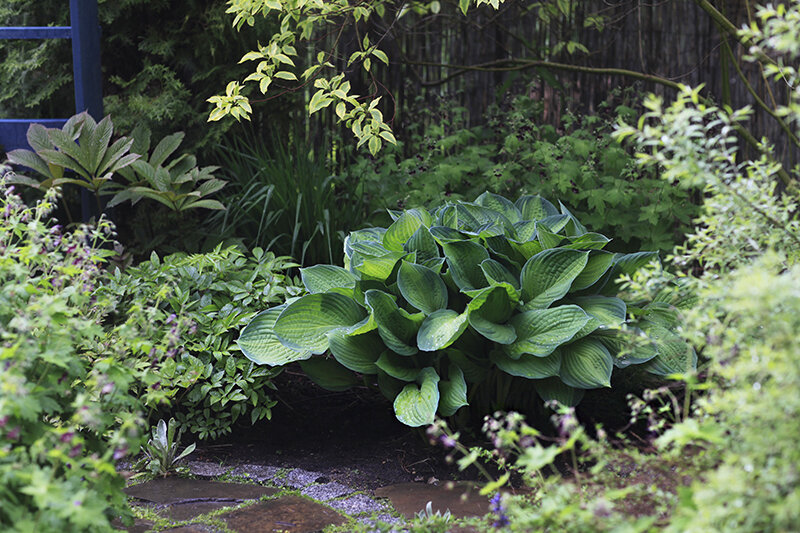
(84, 31)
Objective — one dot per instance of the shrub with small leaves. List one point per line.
(188, 310)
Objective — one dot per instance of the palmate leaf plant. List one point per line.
(471, 295)
(179, 184)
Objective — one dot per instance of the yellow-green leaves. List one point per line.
(259, 343)
(416, 404)
(233, 103)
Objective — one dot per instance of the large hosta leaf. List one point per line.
(404, 227)
(489, 312)
(422, 287)
(422, 244)
(322, 278)
(259, 343)
(356, 352)
(396, 327)
(623, 264)
(304, 323)
(535, 207)
(441, 329)
(586, 364)
(553, 389)
(463, 261)
(474, 371)
(397, 366)
(328, 374)
(499, 204)
(376, 267)
(540, 331)
(605, 311)
(453, 392)
(496, 272)
(416, 405)
(598, 264)
(528, 366)
(674, 355)
(548, 275)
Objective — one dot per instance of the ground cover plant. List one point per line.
(473, 295)
(198, 303)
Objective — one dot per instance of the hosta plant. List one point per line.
(472, 295)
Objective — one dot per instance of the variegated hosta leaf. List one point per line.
(453, 392)
(623, 264)
(496, 272)
(375, 267)
(356, 352)
(548, 275)
(574, 228)
(500, 205)
(328, 374)
(586, 364)
(541, 331)
(259, 343)
(422, 287)
(554, 223)
(362, 235)
(535, 207)
(441, 329)
(404, 227)
(416, 404)
(489, 312)
(396, 327)
(322, 278)
(444, 234)
(304, 323)
(463, 263)
(553, 389)
(547, 239)
(528, 366)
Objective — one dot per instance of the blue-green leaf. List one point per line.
(304, 323)
(548, 275)
(356, 352)
(453, 392)
(396, 327)
(528, 366)
(553, 389)
(441, 329)
(259, 343)
(586, 364)
(322, 278)
(328, 374)
(540, 331)
(422, 287)
(463, 262)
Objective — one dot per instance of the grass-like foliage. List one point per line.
(490, 294)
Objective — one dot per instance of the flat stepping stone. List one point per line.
(175, 490)
(462, 500)
(358, 504)
(291, 514)
(256, 472)
(299, 478)
(193, 528)
(207, 469)
(181, 511)
(326, 491)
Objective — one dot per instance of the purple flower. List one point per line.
(500, 511)
(3, 420)
(447, 441)
(14, 433)
(171, 318)
(67, 437)
(75, 451)
(119, 453)
(107, 388)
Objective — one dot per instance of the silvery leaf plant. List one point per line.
(471, 294)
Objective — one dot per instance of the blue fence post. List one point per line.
(86, 71)
(86, 57)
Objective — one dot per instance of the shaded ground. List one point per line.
(351, 437)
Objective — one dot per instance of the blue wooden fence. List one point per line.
(84, 31)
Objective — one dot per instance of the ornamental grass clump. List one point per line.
(471, 301)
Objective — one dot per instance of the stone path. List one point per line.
(253, 498)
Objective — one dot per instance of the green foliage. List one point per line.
(161, 451)
(516, 153)
(179, 184)
(83, 147)
(159, 65)
(187, 310)
(477, 293)
(282, 196)
(66, 411)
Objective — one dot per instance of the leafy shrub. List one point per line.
(478, 293)
(517, 153)
(195, 305)
(66, 414)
